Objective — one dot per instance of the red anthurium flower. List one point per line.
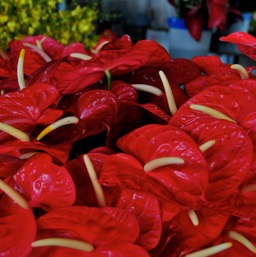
(241, 233)
(39, 50)
(216, 73)
(124, 91)
(9, 164)
(17, 232)
(97, 106)
(70, 79)
(165, 181)
(125, 172)
(160, 141)
(245, 42)
(74, 48)
(230, 157)
(243, 203)
(39, 179)
(95, 109)
(142, 205)
(85, 193)
(124, 42)
(19, 151)
(177, 73)
(146, 208)
(104, 232)
(235, 102)
(190, 237)
(31, 106)
(17, 223)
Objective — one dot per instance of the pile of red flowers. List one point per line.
(124, 151)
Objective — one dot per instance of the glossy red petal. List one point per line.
(97, 106)
(39, 179)
(154, 141)
(229, 159)
(191, 238)
(23, 109)
(245, 42)
(98, 226)
(17, 230)
(157, 54)
(59, 153)
(146, 208)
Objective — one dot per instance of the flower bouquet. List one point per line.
(104, 153)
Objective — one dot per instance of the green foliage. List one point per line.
(21, 18)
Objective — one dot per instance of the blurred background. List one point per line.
(148, 19)
(185, 28)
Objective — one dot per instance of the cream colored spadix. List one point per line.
(25, 156)
(210, 251)
(210, 111)
(168, 92)
(96, 185)
(98, 48)
(242, 71)
(64, 242)
(148, 88)
(39, 44)
(59, 123)
(193, 217)
(162, 161)
(20, 70)
(242, 240)
(14, 132)
(41, 52)
(16, 197)
(81, 56)
(205, 146)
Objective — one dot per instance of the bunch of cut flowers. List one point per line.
(122, 150)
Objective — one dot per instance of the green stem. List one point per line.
(107, 72)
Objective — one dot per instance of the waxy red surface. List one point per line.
(121, 129)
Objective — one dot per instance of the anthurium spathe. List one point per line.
(94, 109)
(18, 230)
(160, 141)
(15, 152)
(31, 106)
(147, 210)
(142, 205)
(175, 180)
(108, 231)
(38, 179)
(230, 157)
(71, 79)
(17, 223)
(191, 238)
(245, 42)
(39, 50)
(241, 233)
(215, 73)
